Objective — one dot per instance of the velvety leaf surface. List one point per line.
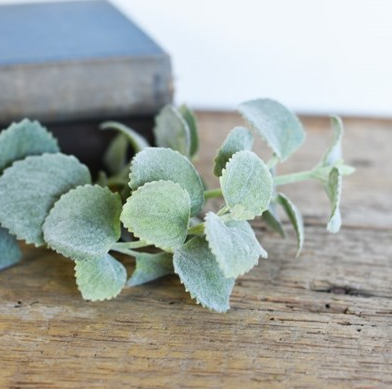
(233, 244)
(115, 158)
(201, 275)
(158, 213)
(172, 131)
(191, 121)
(295, 218)
(149, 267)
(278, 126)
(10, 253)
(334, 153)
(334, 192)
(272, 220)
(154, 164)
(84, 223)
(29, 189)
(239, 138)
(101, 278)
(137, 141)
(22, 139)
(246, 184)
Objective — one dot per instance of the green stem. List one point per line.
(293, 177)
(125, 251)
(223, 210)
(212, 193)
(130, 245)
(116, 181)
(278, 180)
(196, 230)
(273, 162)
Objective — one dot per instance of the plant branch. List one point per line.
(294, 177)
(212, 193)
(196, 230)
(127, 247)
(273, 162)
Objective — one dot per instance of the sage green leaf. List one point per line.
(191, 121)
(295, 218)
(157, 163)
(10, 253)
(272, 220)
(201, 275)
(29, 189)
(322, 173)
(22, 139)
(100, 278)
(239, 138)
(334, 153)
(172, 131)
(149, 267)
(233, 244)
(333, 157)
(345, 170)
(158, 213)
(84, 223)
(115, 158)
(334, 192)
(278, 126)
(270, 216)
(137, 141)
(246, 184)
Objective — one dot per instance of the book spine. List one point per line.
(88, 89)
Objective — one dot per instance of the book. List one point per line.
(79, 60)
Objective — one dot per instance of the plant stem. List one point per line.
(116, 181)
(223, 210)
(125, 251)
(196, 230)
(293, 177)
(209, 194)
(273, 162)
(130, 245)
(278, 180)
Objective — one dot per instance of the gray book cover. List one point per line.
(78, 60)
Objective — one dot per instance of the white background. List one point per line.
(314, 56)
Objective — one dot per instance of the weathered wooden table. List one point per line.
(323, 320)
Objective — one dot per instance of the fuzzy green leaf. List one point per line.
(334, 192)
(239, 138)
(201, 275)
(272, 220)
(158, 213)
(191, 121)
(101, 278)
(137, 141)
(295, 218)
(334, 153)
(172, 131)
(154, 164)
(149, 267)
(270, 216)
(333, 157)
(10, 253)
(278, 126)
(233, 244)
(29, 189)
(22, 139)
(84, 223)
(246, 184)
(115, 158)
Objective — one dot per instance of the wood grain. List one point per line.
(320, 321)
